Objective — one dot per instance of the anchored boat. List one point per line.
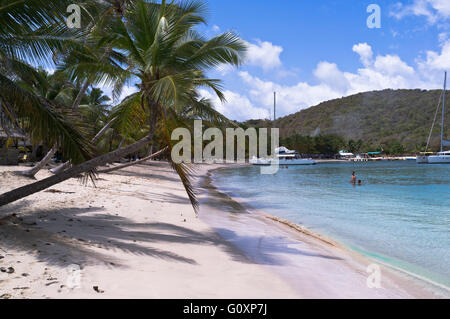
(442, 157)
(284, 157)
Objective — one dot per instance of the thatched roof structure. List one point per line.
(12, 134)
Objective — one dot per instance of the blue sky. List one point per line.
(313, 51)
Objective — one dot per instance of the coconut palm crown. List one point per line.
(156, 47)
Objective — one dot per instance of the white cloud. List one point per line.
(377, 73)
(392, 65)
(433, 10)
(365, 53)
(261, 54)
(237, 107)
(216, 28)
(264, 54)
(329, 73)
(290, 99)
(435, 62)
(441, 6)
(385, 71)
(443, 37)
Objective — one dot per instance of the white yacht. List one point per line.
(441, 157)
(284, 157)
(423, 157)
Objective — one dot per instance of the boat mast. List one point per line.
(443, 113)
(274, 106)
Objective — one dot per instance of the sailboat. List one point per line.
(443, 157)
(283, 157)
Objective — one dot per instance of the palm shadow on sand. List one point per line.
(84, 236)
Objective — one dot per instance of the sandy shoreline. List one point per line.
(336, 272)
(136, 236)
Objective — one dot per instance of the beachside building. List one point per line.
(11, 147)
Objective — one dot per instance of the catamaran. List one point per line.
(443, 157)
(285, 157)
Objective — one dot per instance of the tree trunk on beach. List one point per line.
(30, 189)
(33, 171)
(109, 170)
(74, 171)
(65, 165)
(48, 157)
(60, 168)
(150, 151)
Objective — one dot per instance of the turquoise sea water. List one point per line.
(400, 215)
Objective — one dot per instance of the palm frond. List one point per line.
(129, 114)
(184, 171)
(226, 48)
(45, 121)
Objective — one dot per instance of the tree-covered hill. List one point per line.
(377, 118)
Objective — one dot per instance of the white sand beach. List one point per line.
(135, 235)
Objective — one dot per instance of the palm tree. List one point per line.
(30, 32)
(96, 110)
(95, 113)
(36, 32)
(167, 59)
(198, 108)
(54, 88)
(97, 98)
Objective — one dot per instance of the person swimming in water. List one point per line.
(353, 180)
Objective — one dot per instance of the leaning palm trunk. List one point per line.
(103, 130)
(66, 165)
(33, 171)
(109, 170)
(150, 151)
(80, 95)
(74, 171)
(60, 168)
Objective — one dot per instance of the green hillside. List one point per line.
(378, 119)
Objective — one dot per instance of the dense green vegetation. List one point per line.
(395, 121)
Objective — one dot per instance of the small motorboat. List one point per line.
(284, 157)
